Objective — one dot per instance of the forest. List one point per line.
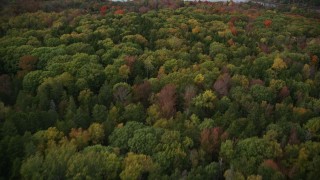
(158, 89)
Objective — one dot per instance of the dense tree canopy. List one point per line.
(159, 90)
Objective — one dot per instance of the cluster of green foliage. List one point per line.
(300, 2)
(202, 91)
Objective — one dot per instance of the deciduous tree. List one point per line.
(166, 100)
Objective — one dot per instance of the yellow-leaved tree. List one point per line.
(279, 64)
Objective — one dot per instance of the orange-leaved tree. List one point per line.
(267, 23)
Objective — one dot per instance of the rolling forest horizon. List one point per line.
(93, 89)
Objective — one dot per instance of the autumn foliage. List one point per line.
(271, 164)
(222, 84)
(284, 92)
(119, 11)
(189, 94)
(232, 26)
(5, 85)
(234, 31)
(143, 9)
(293, 138)
(267, 23)
(264, 48)
(211, 139)
(130, 60)
(167, 100)
(231, 42)
(314, 59)
(142, 92)
(26, 64)
(158, 89)
(103, 9)
(79, 137)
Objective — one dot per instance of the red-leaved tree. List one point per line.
(271, 164)
(232, 27)
(142, 92)
(103, 9)
(211, 139)
(167, 100)
(284, 92)
(267, 23)
(222, 84)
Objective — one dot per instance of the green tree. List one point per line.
(145, 140)
(52, 166)
(171, 151)
(32, 168)
(313, 127)
(99, 113)
(33, 79)
(91, 164)
(122, 93)
(205, 102)
(79, 48)
(133, 112)
(124, 71)
(121, 135)
(254, 151)
(261, 93)
(216, 48)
